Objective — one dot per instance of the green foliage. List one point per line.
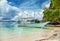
(53, 14)
(56, 4)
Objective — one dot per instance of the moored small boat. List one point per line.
(42, 24)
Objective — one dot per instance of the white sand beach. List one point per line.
(29, 34)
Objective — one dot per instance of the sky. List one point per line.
(15, 9)
(28, 4)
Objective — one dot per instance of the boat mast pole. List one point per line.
(34, 15)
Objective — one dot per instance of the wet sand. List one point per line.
(30, 34)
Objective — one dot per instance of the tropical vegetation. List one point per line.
(53, 13)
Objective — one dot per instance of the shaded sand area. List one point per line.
(29, 34)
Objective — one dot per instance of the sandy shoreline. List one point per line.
(29, 35)
(53, 36)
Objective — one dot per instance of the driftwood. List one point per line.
(54, 35)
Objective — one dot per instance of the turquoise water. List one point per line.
(9, 30)
(19, 33)
(18, 29)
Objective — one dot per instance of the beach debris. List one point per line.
(55, 35)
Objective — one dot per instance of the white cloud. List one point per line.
(5, 8)
(28, 3)
(39, 14)
(46, 4)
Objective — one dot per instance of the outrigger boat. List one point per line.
(24, 22)
(42, 24)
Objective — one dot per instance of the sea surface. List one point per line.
(23, 33)
(20, 33)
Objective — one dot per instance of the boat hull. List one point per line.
(34, 25)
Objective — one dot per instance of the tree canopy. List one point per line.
(53, 13)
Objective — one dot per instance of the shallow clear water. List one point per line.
(20, 33)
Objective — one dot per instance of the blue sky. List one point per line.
(28, 4)
(13, 9)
